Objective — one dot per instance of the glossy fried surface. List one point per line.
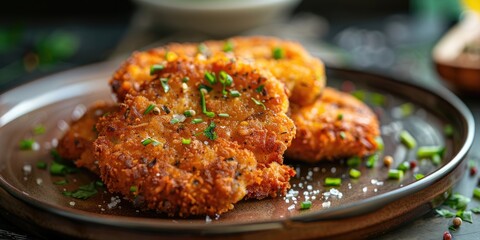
(188, 168)
(337, 125)
(77, 143)
(302, 74)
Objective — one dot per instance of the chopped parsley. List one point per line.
(210, 131)
(445, 213)
(39, 129)
(61, 182)
(260, 88)
(372, 160)
(340, 116)
(83, 192)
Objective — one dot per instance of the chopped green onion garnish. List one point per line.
(99, 183)
(342, 135)
(189, 113)
(165, 86)
(407, 139)
(278, 53)
(395, 174)
(372, 160)
(305, 205)
(228, 46)
(259, 103)
(339, 116)
(155, 68)
(235, 93)
(404, 166)
(419, 176)
(476, 193)
(210, 131)
(41, 165)
(354, 173)
(204, 105)
(186, 141)
(58, 169)
(174, 121)
(133, 188)
(377, 99)
(380, 143)
(83, 192)
(27, 144)
(202, 48)
(39, 129)
(210, 77)
(226, 80)
(406, 109)
(152, 141)
(61, 182)
(197, 120)
(260, 88)
(330, 181)
(225, 115)
(354, 161)
(149, 109)
(185, 79)
(448, 130)
(430, 151)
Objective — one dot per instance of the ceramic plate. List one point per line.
(360, 207)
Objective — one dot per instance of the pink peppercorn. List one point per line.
(447, 236)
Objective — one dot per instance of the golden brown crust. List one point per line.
(77, 143)
(302, 74)
(335, 126)
(208, 175)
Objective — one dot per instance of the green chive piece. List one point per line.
(419, 176)
(189, 113)
(330, 181)
(185, 79)
(379, 141)
(99, 183)
(448, 130)
(340, 117)
(404, 166)
(39, 129)
(377, 99)
(225, 115)
(174, 121)
(343, 135)
(41, 165)
(27, 144)
(354, 173)
(305, 205)
(354, 161)
(133, 189)
(202, 48)
(260, 88)
(407, 139)
(204, 105)
(235, 93)
(186, 141)
(278, 53)
(228, 46)
(395, 174)
(156, 68)
(407, 109)
(58, 169)
(430, 151)
(372, 160)
(210, 77)
(61, 182)
(476, 192)
(148, 141)
(197, 120)
(226, 80)
(165, 86)
(210, 131)
(149, 109)
(259, 103)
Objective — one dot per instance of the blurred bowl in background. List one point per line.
(216, 17)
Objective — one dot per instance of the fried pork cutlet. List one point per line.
(197, 138)
(302, 74)
(77, 143)
(337, 125)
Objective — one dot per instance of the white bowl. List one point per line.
(216, 17)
